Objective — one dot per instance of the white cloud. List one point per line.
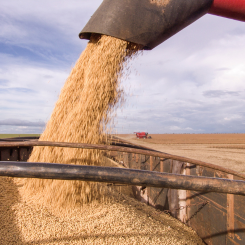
(233, 117)
(32, 90)
(32, 22)
(21, 123)
(175, 128)
(196, 77)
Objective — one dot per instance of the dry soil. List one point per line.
(226, 150)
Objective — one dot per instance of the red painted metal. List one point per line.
(141, 135)
(233, 9)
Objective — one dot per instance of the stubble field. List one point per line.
(227, 150)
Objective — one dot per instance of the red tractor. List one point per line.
(141, 135)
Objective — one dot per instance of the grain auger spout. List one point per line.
(151, 22)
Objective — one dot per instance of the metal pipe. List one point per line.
(122, 149)
(120, 176)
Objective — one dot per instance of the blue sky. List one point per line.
(192, 83)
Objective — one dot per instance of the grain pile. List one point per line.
(123, 221)
(71, 212)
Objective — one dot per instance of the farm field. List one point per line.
(192, 138)
(4, 136)
(227, 150)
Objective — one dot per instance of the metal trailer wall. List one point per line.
(217, 218)
(15, 153)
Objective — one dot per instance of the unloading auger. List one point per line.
(151, 22)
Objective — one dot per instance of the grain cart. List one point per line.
(141, 135)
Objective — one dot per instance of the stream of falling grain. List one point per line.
(90, 94)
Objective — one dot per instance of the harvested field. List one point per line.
(226, 150)
(4, 136)
(192, 138)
